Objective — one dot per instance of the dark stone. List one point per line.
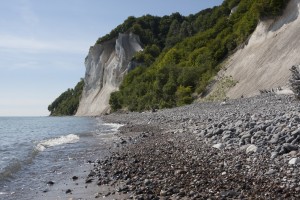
(229, 193)
(123, 142)
(123, 189)
(68, 191)
(50, 183)
(286, 148)
(92, 173)
(290, 139)
(107, 194)
(296, 132)
(218, 131)
(89, 180)
(296, 139)
(290, 147)
(98, 195)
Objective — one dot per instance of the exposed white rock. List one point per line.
(233, 10)
(244, 147)
(274, 155)
(163, 193)
(218, 146)
(264, 62)
(294, 161)
(271, 171)
(106, 65)
(252, 149)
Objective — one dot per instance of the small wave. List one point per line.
(14, 166)
(71, 138)
(114, 127)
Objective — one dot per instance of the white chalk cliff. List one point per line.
(265, 61)
(106, 65)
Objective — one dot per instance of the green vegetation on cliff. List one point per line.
(68, 102)
(183, 53)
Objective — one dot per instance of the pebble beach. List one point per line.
(239, 149)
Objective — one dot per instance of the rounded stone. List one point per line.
(252, 149)
(294, 161)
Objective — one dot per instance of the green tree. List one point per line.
(181, 54)
(115, 101)
(67, 103)
(173, 35)
(184, 95)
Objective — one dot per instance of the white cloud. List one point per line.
(26, 35)
(32, 45)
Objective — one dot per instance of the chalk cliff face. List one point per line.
(265, 61)
(106, 65)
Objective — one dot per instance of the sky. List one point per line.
(43, 44)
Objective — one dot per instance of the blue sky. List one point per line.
(43, 44)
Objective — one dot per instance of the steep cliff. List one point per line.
(264, 63)
(183, 71)
(106, 65)
(182, 54)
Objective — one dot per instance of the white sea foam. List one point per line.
(1, 193)
(71, 138)
(114, 126)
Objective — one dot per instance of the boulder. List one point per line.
(252, 149)
(219, 146)
(294, 161)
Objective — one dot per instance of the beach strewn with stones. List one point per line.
(239, 149)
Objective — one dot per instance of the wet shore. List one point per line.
(239, 149)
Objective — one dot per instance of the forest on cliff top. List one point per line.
(181, 54)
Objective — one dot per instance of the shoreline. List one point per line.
(50, 174)
(86, 186)
(75, 183)
(243, 148)
(240, 149)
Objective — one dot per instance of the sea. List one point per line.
(36, 150)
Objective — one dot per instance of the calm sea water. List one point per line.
(36, 149)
